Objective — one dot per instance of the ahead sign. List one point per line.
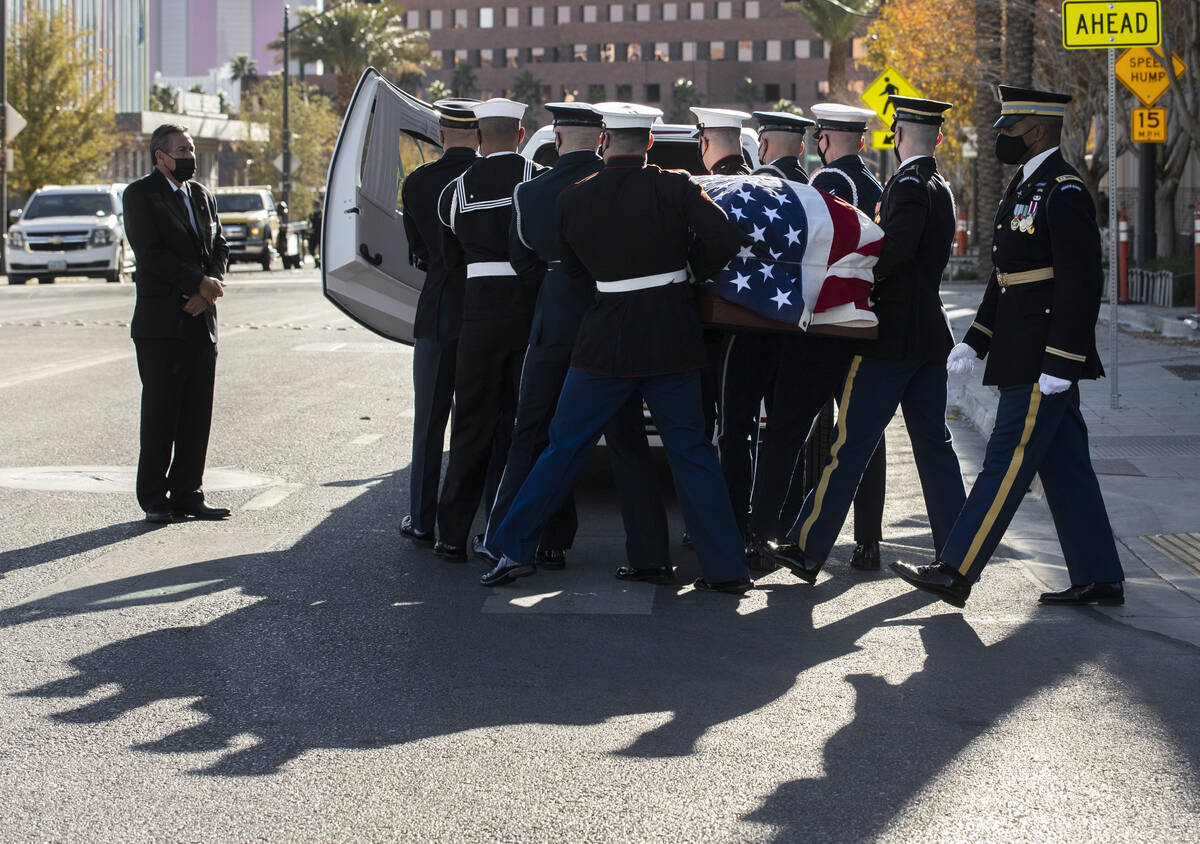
(1118, 23)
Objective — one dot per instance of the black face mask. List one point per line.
(821, 152)
(896, 149)
(184, 168)
(1010, 149)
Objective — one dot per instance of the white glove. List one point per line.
(962, 360)
(1049, 384)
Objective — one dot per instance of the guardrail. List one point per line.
(1152, 287)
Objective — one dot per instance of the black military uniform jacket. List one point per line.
(533, 248)
(476, 211)
(443, 284)
(1026, 328)
(848, 179)
(785, 167)
(172, 258)
(917, 215)
(632, 220)
(731, 165)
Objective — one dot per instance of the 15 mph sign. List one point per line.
(1119, 23)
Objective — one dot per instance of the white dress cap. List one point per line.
(838, 116)
(628, 115)
(719, 118)
(499, 107)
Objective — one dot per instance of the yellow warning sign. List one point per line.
(1148, 126)
(1113, 23)
(876, 95)
(882, 139)
(1142, 73)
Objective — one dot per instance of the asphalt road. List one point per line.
(300, 672)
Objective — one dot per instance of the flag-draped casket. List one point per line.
(807, 262)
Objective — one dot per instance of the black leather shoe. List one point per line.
(937, 579)
(731, 587)
(650, 574)
(792, 558)
(159, 517)
(199, 510)
(551, 558)
(450, 553)
(1104, 594)
(420, 537)
(507, 571)
(865, 556)
(482, 550)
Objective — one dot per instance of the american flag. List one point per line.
(808, 256)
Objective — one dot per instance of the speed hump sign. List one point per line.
(1148, 126)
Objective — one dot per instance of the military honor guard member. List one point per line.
(813, 368)
(633, 229)
(905, 366)
(476, 210)
(439, 310)
(1036, 328)
(781, 145)
(561, 303)
(173, 227)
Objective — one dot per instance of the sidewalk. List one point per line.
(1146, 453)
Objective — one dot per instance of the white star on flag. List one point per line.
(758, 233)
(782, 299)
(741, 281)
(746, 253)
(737, 212)
(745, 195)
(793, 236)
(774, 255)
(771, 214)
(767, 269)
(782, 197)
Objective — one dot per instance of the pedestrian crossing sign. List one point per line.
(887, 83)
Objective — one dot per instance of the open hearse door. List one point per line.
(364, 251)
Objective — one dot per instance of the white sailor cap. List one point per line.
(628, 115)
(841, 118)
(499, 107)
(718, 118)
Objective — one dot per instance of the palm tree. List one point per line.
(747, 93)
(353, 36)
(526, 88)
(834, 21)
(462, 81)
(243, 69)
(683, 96)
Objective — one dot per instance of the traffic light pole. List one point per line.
(286, 139)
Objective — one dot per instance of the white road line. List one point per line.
(270, 497)
(366, 439)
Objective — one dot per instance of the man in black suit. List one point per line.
(172, 225)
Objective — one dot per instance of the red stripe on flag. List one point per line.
(838, 290)
(846, 232)
(871, 249)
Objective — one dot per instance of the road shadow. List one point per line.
(68, 546)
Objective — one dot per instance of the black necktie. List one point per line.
(187, 211)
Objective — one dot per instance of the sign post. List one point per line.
(1092, 25)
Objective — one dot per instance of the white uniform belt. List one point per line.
(485, 268)
(644, 282)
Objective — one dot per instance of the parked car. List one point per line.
(69, 230)
(249, 222)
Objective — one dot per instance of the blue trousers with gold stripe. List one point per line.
(1045, 435)
(872, 391)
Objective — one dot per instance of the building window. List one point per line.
(696, 11)
(487, 18)
(511, 58)
(653, 93)
(512, 16)
(486, 56)
(616, 13)
(716, 51)
(774, 51)
(596, 94)
(447, 59)
(537, 55)
(802, 51)
(624, 93)
(662, 51)
(641, 11)
(435, 18)
(859, 48)
(751, 8)
(589, 14)
(412, 19)
(460, 18)
(818, 50)
(608, 52)
(745, 51)
(670, 12)
(771, 92)
(580, 53)
(724, 10)
(689, 51)
(460, 56)
(537, 16)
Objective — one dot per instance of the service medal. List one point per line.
(1025, 223)
(1012, 224)
(1030, 229)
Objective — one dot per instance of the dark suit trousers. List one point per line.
(433, 388)
(486, 382)
(642, 509)
(177, 395)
